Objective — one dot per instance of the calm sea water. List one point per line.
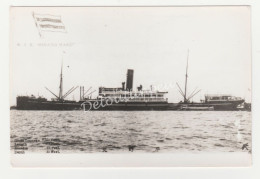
(148, 131)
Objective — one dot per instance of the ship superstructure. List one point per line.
(125, 98)
(220, 98)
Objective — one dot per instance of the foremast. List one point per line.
(62, 97)
(184, 94)
(61, 83)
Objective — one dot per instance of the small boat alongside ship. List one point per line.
(196, 108)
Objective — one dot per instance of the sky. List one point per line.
(101, 43)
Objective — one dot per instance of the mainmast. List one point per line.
(186, 78)
(184, 94)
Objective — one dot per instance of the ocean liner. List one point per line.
(126, 98)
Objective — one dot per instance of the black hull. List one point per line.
(48, 106)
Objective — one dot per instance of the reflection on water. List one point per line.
(144, 131)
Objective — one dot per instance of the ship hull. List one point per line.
(123, 106)
(103, 105)
(48, 105)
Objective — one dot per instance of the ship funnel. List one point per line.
(129, 80)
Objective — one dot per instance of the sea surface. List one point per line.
(143, 131)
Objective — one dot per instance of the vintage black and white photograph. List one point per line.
(130, 80)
